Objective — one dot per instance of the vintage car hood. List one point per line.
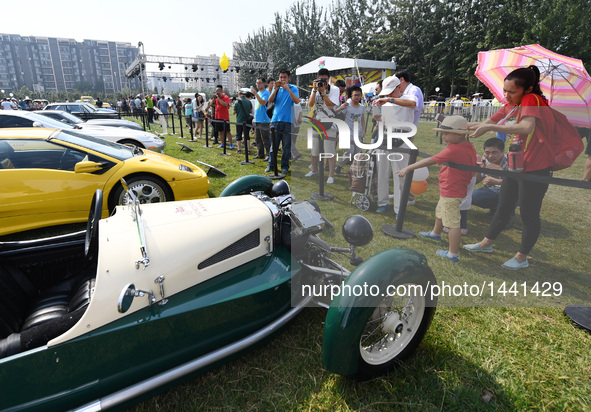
(187, 242)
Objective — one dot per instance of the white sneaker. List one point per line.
(411, 203)
(310, 174)
(330, 180)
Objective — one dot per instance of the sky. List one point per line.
(167, 28)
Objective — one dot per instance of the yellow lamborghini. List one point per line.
(48, 177)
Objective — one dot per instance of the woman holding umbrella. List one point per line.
(530, 129)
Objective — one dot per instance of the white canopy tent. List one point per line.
(368, 88)
(342, 63)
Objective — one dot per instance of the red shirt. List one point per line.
(222, 112)
(539, 153)
(454, 182)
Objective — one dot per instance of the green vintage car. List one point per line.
(99, 318)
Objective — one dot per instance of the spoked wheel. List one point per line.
(393, 331)
(148, 189)
(363, 203)
(91, 238)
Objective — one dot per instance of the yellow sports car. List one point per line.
(49, 177)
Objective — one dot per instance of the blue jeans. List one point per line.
(283, 135)
(486, 198)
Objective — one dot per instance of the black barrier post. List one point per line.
(181, 124)
(321, 194)
(224, 140)
(246, 131)
(172, 117)
(191, 128)
(398, 231)
(207, 133)
(275, 149)
(143, 121)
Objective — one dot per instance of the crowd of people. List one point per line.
(12, 103)
(397, 104)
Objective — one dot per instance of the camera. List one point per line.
(320, 82)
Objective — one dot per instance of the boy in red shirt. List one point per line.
(453, 183)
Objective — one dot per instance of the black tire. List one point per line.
(393, 331)
(128, 142)
(148, 189)
(94, 216)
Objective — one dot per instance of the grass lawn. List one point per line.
(493, 354)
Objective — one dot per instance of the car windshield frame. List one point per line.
(90, 107)
(106, 147)
(70, 118)
(44, 120)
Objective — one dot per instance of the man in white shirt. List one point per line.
(395, 108)
(7, 105)
(409, 89)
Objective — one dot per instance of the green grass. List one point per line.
(493, 358)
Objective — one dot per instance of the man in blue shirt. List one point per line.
(261, 119)
(284, 96)
(163, 107)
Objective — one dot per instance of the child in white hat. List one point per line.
(453, 183)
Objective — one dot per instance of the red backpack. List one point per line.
(568, 144)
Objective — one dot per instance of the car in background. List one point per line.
(141, 139)
(84, 111)
(49, 177)
(63, 116)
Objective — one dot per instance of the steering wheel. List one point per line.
(91, 238)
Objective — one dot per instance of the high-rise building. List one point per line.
(49, 63)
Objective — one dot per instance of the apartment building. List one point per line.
(49, 63)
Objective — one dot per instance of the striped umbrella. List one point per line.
(563, 80)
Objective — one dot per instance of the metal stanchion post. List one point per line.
(172, 117)
(207, 134)
(398, 231)
(181, 124)
(191, 128)
(321, 194)
(143, 121)
(246, 131)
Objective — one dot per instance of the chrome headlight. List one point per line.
(185, 168)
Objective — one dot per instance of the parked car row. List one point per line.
(85, 111)
(51, 168)
(139, 138)
(69, 118)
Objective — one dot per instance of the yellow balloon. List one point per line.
(224, 62)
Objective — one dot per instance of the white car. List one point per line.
(145, 140)
(63, 116)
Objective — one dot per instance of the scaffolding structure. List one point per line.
(195, 68)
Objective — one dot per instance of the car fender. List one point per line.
(348, 313)
(247, 184)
